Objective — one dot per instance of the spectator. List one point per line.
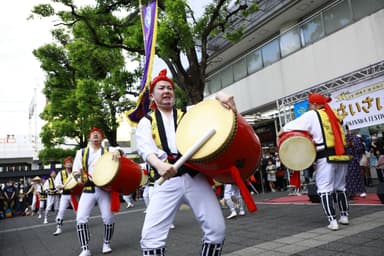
(355, 178)
(9, 197)
(372, 162)
(1, 202)
(271, 175)
(20, 198)
(364, 166)
(380, 166)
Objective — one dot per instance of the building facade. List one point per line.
(292, 48)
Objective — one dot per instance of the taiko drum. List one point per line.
(297, 150)
(123, 175)
(234, 143)
(72, 185)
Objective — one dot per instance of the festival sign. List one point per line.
(361, 105)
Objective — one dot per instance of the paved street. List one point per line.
(275, 229)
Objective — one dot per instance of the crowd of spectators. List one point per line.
(14, 197)
(270, 176)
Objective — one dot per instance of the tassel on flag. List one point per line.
(149, 24)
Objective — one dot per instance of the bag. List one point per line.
(8, 213)
(363, 160)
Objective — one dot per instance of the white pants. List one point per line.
(87, 202)
(231, 190)
(42, 205)
(147, 193)
(128, 199)
(65, 201)
(34, 202)
(166, 200)
(330, 176)
(52, 200)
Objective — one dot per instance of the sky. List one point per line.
(20, 72)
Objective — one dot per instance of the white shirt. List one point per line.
(94, 155)
(58, 179)
(146, 145)
(46, 185)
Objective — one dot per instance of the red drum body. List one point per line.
(234, 143)
(123, 176)
(297, 150)
(72, 185)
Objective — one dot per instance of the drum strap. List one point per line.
(177, 115)
(160, 126)
(325, 153)
(89, 189)
(64, 177)
(51, 189)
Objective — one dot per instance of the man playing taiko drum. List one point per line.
(331, 159)
(66, 198)
(83, 165)
(155, 136)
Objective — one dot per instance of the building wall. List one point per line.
(351, 48)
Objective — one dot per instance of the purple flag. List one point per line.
(149, 24)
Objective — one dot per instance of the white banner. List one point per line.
(361, 105)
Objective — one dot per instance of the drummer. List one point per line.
(66, 199)
(82, 171)
(332, 162)
(155, 136)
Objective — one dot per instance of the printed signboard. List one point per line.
(361, 105)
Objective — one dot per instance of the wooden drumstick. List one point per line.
(190, 152)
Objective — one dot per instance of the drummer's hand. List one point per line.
(60, 186)
(116, 155)
(226, 100)
(77, 176)
(167, 171)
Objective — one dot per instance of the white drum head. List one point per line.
(297, 153)
(105, 170)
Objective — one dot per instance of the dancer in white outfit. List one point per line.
(157, 146)
(53, 197)
(66, 198)
(83, 165)
(331, 160)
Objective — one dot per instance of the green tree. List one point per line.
(85, 87)
(87, 84)
(181, 36)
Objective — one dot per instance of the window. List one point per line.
(254, 62)
(312, 30)
(214, 84)
(271, 52)
(290, 42)
(227, 76)
(337, 17)
(366, 7)
(240, 69)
